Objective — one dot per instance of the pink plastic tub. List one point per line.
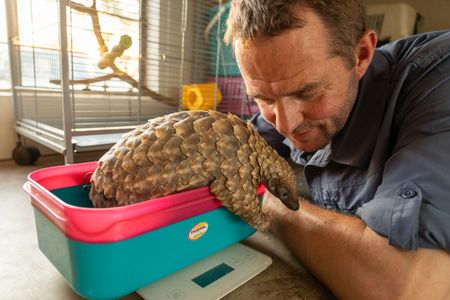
(111, 224)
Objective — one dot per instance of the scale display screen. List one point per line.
(212, 275)
(211, 278)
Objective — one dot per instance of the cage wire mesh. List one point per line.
(5, 80)
(127, 61)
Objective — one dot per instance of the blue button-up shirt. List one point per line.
(390, 165)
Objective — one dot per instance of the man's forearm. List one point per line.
(353, 261)
(329, 244)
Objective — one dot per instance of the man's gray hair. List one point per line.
(344, 21)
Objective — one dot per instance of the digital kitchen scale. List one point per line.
(211, 278)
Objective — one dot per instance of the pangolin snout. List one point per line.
(285, 195)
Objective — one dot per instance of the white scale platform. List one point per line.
(210, 279)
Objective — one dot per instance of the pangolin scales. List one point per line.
(190, 149)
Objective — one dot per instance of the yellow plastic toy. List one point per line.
(201, 96)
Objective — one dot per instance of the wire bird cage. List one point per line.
(85, 71)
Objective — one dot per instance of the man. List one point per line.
(372, 128)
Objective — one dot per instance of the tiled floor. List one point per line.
(25, 273)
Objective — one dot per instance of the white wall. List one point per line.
(435, 12)
(7, 131)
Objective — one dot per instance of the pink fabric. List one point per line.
(233, 96)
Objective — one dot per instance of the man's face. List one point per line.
(299, 88)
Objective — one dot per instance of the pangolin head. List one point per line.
(284, 192)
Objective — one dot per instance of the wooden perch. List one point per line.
(92, 11)
(127, 78)
(104, 51)
(87, 80)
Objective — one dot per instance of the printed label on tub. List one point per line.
(197, 231)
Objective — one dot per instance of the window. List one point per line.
(39, 43)
(5, 75)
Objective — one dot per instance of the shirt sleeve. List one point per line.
(411, 206)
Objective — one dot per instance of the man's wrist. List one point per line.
(279, 214)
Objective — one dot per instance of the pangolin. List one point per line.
(190, 149)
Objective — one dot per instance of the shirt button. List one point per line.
(407, 193)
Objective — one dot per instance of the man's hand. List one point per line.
(274, 207)
(353, 260)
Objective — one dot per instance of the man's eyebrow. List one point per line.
(258, 96)
(306, 89)
(301, 92)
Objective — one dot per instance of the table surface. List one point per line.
(286, 278)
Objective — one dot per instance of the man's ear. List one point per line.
(364, 51)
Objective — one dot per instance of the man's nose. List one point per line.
(287, 116)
